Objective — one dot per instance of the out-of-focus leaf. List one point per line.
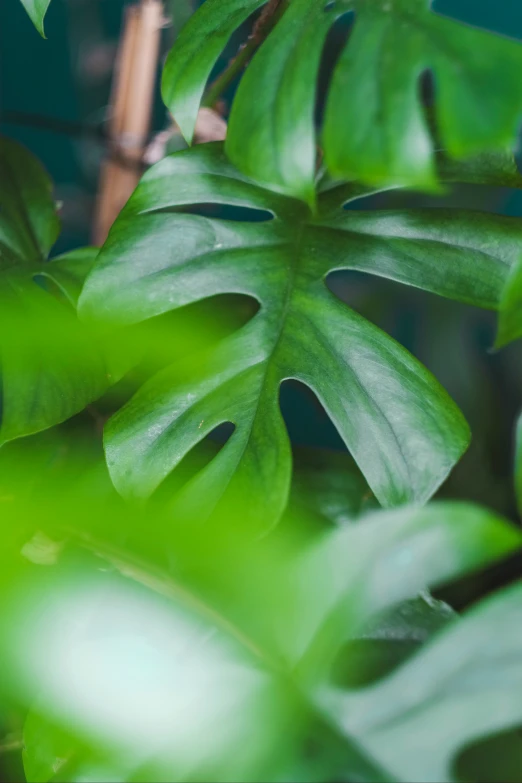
(389, 640)
(51, 364)
(518, 464)
(400, 426)
(375, 127)
(171, 689)
(387, 558)
(194, 54)
(37, 10)
(510, 314)
(374, 124)
(464, 685)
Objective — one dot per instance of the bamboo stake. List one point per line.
(131, 108)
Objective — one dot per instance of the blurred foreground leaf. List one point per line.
(52, 366)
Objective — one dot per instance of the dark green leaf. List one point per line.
(400, 426)
(36, 10)
(51, 366)
(194, 54)
(510, 314)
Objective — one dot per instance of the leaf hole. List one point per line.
(336, 39)
(497, 757)
(306, 420)
(228, 212)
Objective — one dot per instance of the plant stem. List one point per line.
(271, 14)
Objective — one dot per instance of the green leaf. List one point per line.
(375, 127)
(187, 666)
(194, 54)
(37, 10)
(464, 685)
(510, 314)
(375, 93)
(51, 365)
(272, 138)
(387, 558)
(400, 426)
(518, 464)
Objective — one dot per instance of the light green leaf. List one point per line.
(400, 426)
(51, 364)
(37, 10)
(194, 54)
(464, 685)
(510, 312)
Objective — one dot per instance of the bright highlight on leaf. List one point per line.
(37, 10)
(399, 424)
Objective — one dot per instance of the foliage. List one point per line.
(191, 603)
(400, 426)
(52, 366)
(374, 130)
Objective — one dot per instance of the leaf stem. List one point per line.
(271, 14)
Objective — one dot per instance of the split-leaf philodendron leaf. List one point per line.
(51, 367)
(403, 430)
(375, 129)
(337, 589)
(37, 10)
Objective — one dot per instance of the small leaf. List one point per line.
(400, 426)
(36, 10)
(194, 54)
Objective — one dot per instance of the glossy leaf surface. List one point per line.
(195, 53)
(400, 426)
(51, 364)
(375, 128)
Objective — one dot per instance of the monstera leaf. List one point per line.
(51, 366)
(399, 424)
(176, 654)
(37, 10)
(445, 697)
(374, 129)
